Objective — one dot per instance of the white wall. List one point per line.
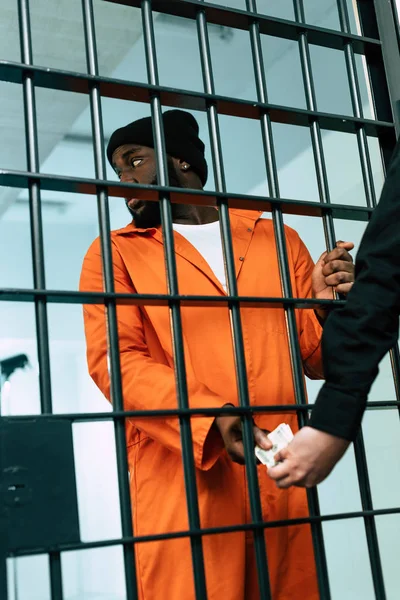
(68, 231)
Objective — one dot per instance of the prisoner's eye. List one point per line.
(135, 162)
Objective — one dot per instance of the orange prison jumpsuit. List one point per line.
(157, 487)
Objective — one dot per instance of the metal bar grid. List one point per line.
(239, 19)
(69, 81)
(156, 95)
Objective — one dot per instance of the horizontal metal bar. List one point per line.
(209, 531)
(73, 297)
(192, 412)
(78, 185)
(240, 19)
(82, 83)
(165, 412)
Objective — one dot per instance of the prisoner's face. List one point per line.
(137, 164)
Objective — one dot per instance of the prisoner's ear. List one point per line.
(183, 165)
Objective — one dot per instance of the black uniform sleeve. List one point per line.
(357, 336)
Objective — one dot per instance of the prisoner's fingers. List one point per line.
(261, 438)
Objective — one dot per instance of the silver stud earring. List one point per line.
(186, 167)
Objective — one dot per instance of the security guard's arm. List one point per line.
(355, 339)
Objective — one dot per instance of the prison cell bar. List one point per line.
(375, 62)
(294, 350)
(386, 20)
(176, 320)
(377, 18)
(355, 94)
(80, 185)
(359, 447)
(315, 131)
(112, 324)
(385, 17)
(313, 32)
(396, 19)
(38, 264)
(142, 539)
(194, 412)
(363, 477)
(239, 19)
(234, 310)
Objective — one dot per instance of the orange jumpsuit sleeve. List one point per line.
(310, 330)
(146, 383)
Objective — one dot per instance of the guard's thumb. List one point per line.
(281, 455)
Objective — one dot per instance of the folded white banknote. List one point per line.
(280, 437)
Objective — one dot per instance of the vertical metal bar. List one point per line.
(357, 106)
(388, 28)
(176, 321)
(376, 25)
(3, 520)
(317, 144)
(318, 151)
(35, 208)
(396, 17)
(379, 16)
(395, 363)
(369, 522)
(236, 325)
(391, 55)
(42, 333)
(294, 349)
(3, 575)
(365, 162)
(56, 586)
(367, 20)
(112, 325)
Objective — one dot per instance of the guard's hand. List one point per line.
(230, 428)
(334, 271)
(308, 459)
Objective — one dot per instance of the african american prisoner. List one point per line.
(147, 366)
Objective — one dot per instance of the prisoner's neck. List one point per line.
(194, 215)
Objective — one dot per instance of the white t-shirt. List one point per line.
(207, 240)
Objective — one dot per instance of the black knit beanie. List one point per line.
(181, 132)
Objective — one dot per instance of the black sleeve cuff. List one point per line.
(338, 413)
